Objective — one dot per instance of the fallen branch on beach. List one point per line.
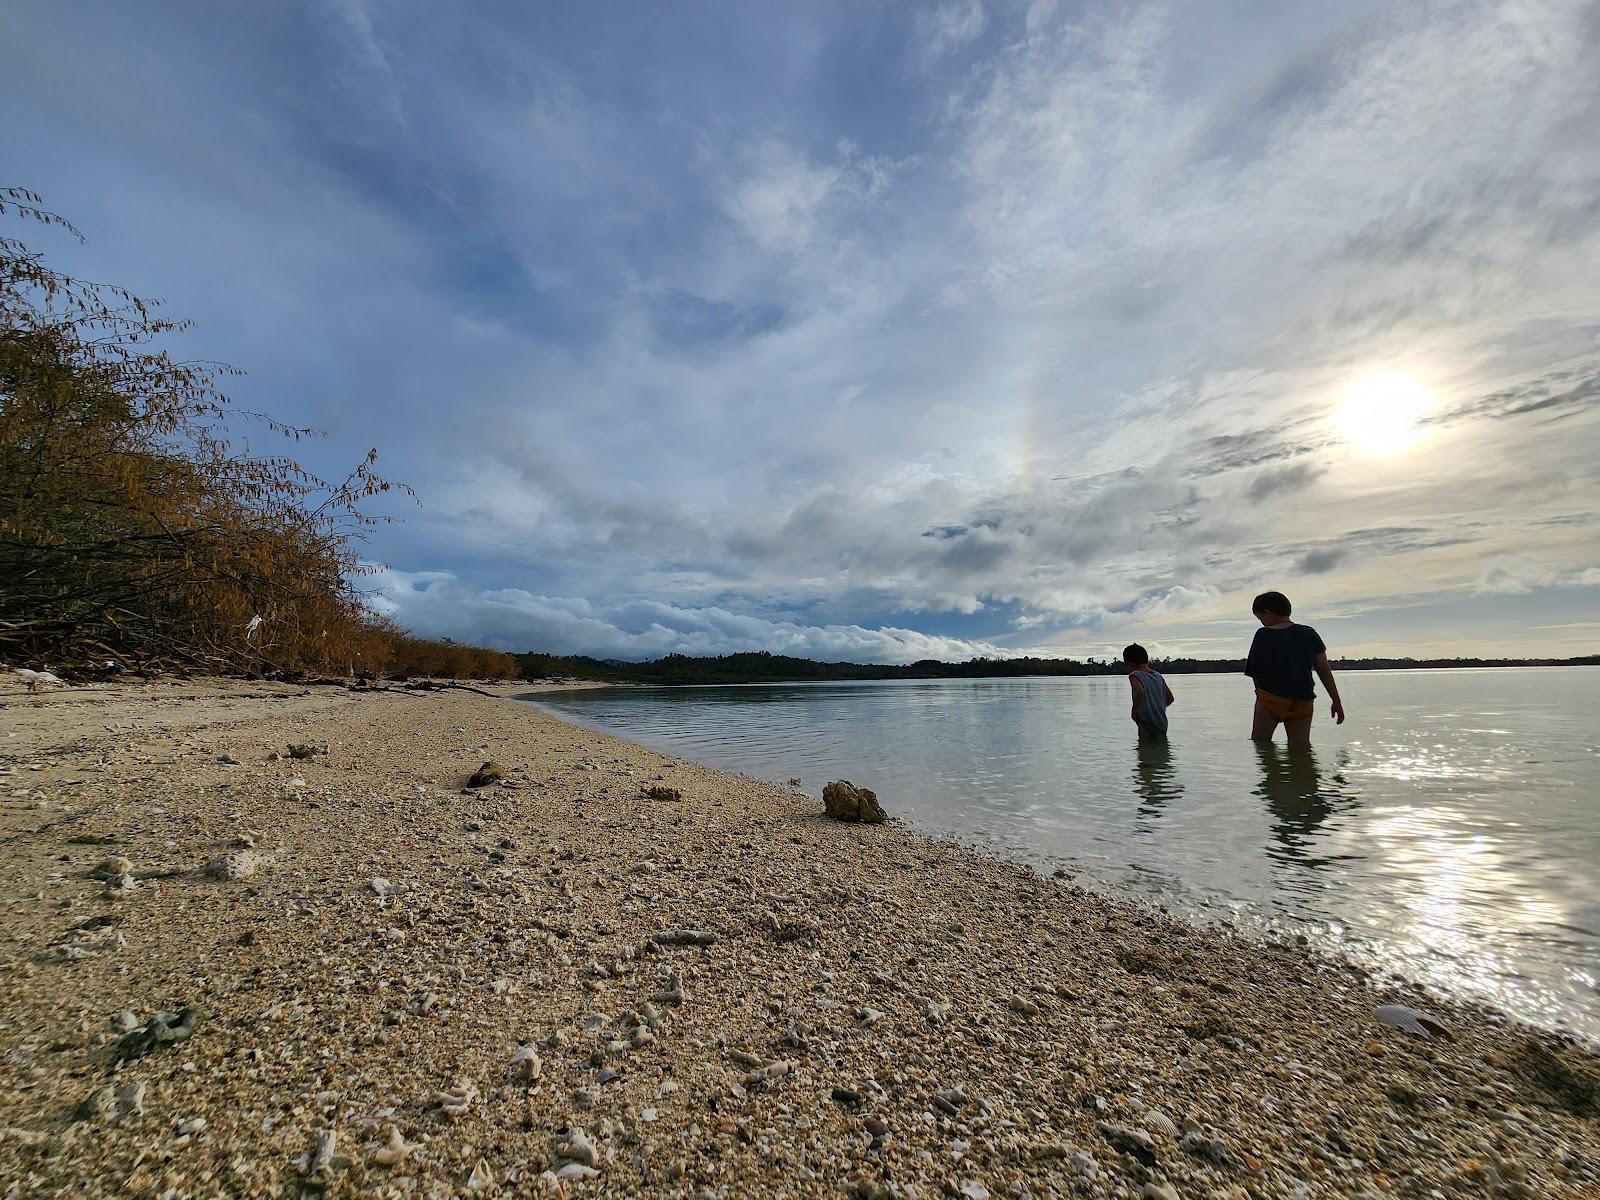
(428, 685)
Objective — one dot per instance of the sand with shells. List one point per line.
(226, 971)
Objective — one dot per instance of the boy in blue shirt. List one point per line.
(1151, 695)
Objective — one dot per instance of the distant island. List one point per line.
(682, 670)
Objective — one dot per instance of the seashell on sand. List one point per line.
(456, 1099)
(574, 1170)
(322, 1157)
(580, 1149)
(526, 1064)
(392, 1151)
(1412, 1021)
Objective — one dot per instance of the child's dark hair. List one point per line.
(1136, 655)
(1272, 602)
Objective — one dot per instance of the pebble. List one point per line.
(233, 866)
(950, 1100)
(683, 937)
(1134, 1142)
(526, 1065)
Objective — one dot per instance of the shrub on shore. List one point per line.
(133, 531)
(448, 660)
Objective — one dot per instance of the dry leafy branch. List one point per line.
(131, 530)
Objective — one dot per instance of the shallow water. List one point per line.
(1450, 830)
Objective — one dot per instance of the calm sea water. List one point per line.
(1449, 830)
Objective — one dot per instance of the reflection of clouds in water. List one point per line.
(1301, 800)
(1155, 777)
(1465, 887)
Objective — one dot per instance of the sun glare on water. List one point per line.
(1380, 414)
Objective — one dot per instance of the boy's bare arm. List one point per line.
(1171, 699)
(1325, 673)
(1138, 695)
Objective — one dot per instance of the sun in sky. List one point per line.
(1380, 414)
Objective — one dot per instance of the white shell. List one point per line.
(580, 1149)
(1411, 1021)
(392, 1151)
(526, 1064)
(456, 1099)
(323, 1155)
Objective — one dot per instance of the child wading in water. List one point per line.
(1151, 695)
(1282, 658)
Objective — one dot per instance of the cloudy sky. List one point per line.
(882, 331)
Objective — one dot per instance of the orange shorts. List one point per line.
(1285, 709)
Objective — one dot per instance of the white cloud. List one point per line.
(1518, 576)
(1176, 599)
(950, 27)
(779, 200)
(438, 604)
(1509, 581)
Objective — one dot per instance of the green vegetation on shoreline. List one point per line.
(681, 670)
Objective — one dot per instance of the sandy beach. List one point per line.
(226, 971)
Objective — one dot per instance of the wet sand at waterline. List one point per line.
(408, 990)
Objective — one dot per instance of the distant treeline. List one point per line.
(678, 670)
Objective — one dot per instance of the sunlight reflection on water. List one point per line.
(1456, 844)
